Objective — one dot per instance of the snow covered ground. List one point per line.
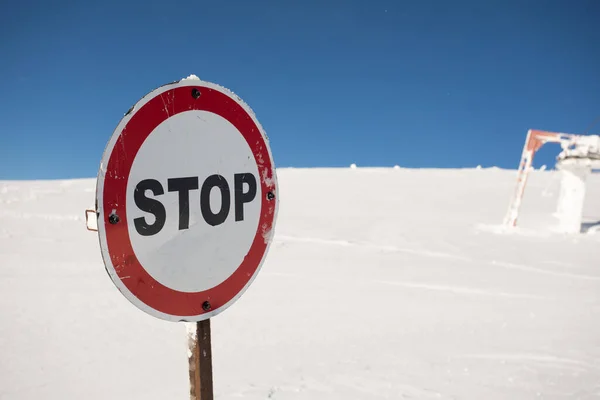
(381, 284)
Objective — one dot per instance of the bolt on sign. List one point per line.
(186, 201)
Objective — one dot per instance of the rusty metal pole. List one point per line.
(200, 360)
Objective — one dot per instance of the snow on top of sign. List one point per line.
(191, 77)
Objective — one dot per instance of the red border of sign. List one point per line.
(126, 265)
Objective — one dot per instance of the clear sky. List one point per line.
(376, 83)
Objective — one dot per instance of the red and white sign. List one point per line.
(187, 201)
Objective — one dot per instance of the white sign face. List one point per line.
(187, 201)
(198, 218)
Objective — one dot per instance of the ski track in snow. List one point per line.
(547, 360)
(42, 216)
(459, 290)
(557, 274)
(433, 254)
(370, 246)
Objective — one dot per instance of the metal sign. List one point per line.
(186, 201)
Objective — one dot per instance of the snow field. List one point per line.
(380, 284)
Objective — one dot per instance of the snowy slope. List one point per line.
(381, 284)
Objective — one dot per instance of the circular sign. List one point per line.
(186, 200)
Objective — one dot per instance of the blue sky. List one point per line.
(376, 83)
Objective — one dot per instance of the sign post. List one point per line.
(200, 359)
(186, 204)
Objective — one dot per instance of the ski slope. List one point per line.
(380, 284)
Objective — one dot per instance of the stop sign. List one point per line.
(186, 201)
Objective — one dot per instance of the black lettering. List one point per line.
(183, 186)
(240, 196)
(210, 217)
(149, 205)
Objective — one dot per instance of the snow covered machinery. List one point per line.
(579, 156)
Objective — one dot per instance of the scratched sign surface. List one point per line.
(186, 200)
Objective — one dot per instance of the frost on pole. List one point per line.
(580, 154)
(575, 162)
(187, 199)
